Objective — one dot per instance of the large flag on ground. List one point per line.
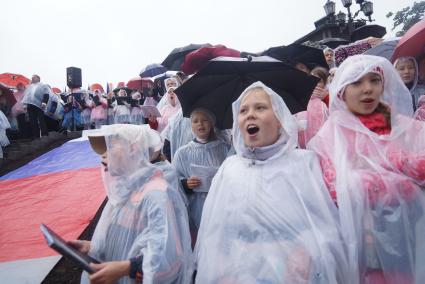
(63, 189)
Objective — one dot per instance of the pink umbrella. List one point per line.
(197, 59)
(412, 43)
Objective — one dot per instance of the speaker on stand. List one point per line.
(73, 80)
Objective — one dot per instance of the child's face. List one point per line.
(201, 125)
(171, 84)
(172, 97)
(362, 97)
(257, 120)
(407, 70)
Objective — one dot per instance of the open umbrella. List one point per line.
(152, 70)
(222, 80)
(366, 31)
(175, 59)
(333, 42)
(138, 83)
(197, 59)
(96, 86)
(296, 53)
(56, 90)
(412, 43)
(384, 49)
(7, 93)
(12, 80)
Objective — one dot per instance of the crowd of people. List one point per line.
(333, 194)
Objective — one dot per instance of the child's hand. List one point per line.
(193, 182)
(82, 246)
(109, 272)
(319, 93)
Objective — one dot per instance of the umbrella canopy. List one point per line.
(333, 42)
(197, 59)
(96, 86)
(412, 43)
(384, 49)
(12, 80)
(56, 90)
(138, 83)
(175, 59)
(296, 53)
(152, 70)
(7, 93)
(368, 31)
(222, 80)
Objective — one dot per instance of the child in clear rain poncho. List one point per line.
(143, 233)
(373, 159)
(408, 70)
(169, 104)
(268, 217)
(197, 162)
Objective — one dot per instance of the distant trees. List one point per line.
(407, 16)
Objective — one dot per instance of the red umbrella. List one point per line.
(56, 90)
(197, 59)
(96, 86)
(7, 93)
(12, 80)
(412, 43)
(139, 83)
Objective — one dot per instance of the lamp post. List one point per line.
(365, 6)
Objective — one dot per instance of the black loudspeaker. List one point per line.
(73, 77)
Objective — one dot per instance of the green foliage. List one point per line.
(408, 16)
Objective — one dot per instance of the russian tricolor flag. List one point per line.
(63, 189)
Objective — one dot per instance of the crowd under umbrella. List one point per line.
(384, 49)
(152, 70)
(412, 43)
(216, 86)
(197, 59)
(298, 53)
(175, 59)
(12, 80)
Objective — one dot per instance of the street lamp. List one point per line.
(367, 8)
(329, 8)
(341, 18)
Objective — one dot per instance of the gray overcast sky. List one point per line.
(113, 40)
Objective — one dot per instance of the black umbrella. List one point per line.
(298, 53)
(222, 80)
(152, 70)
(176, 57)
(333, 42)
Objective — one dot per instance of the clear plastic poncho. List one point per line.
(193, 157)
(145, 213)
(269, 220)
(34, 94)
(178, 132)
(416, 90)
(378, 180)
